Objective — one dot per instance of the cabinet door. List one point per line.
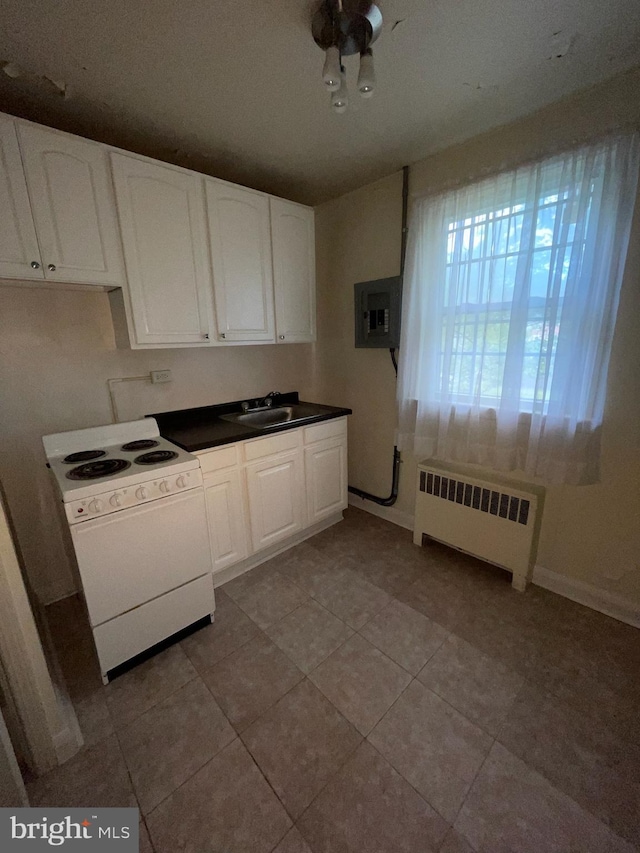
(294, 272)
(226, 518)
(326, 478)
(18, 244)
(240, 237)
(73, 206)
(276, 499)
(164, 238)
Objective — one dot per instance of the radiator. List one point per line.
(494, 519)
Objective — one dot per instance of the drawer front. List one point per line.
(259, 447)
(126, 636)
(216, 460)
(327, 429)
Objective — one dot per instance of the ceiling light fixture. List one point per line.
(331, 73)
(343, 28)
(340, 97)
(367, 76)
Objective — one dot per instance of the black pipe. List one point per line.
(393, 497)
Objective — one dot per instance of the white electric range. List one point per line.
(135, 506)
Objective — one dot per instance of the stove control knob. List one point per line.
(115, 500)
(141, 493)
(95, 506)
(181, 482)
(164, 487)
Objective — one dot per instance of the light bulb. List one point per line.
(331, 70)
(367, 76)
(340, 98)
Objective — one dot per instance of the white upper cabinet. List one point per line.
(190, 260)
(163, 229)
(19, 251)
(73, 206)
(293, 236)
(240, 238)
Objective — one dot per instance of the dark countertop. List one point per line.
(199, 429)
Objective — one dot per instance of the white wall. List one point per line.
(591, 534)
(358, 239)
(57, 351)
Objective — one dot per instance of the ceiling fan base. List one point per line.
(352, 28)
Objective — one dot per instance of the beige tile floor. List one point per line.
(361, 695)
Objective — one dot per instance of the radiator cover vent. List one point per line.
(477, 497)
(495, 519)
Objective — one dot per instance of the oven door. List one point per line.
(135, 555)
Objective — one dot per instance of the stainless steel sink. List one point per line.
(274, 415)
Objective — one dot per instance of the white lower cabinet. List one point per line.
(276, 498)
(326, 478)
(268, 490)
(225, 511)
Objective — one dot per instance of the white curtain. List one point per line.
(509, 306)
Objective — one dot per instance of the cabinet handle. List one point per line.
(223, 336)
(206, 336)
(51, 267)
(281, 337)
(35, 265)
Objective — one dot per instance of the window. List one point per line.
(532, 240)
(509, 308)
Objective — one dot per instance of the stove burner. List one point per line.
(141, 444)
(155, 457)
(84, 456)
(93, 470)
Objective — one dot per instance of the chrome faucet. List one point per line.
(268, 400)
(260, 403)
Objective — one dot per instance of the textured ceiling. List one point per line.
(233, 87)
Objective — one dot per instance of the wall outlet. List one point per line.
(160, 376)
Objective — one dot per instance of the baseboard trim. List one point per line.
(68, 739)
(576, 590)
(583, 593)
(66, 745)
(389, 513)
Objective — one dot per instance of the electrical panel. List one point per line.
(377, 313)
